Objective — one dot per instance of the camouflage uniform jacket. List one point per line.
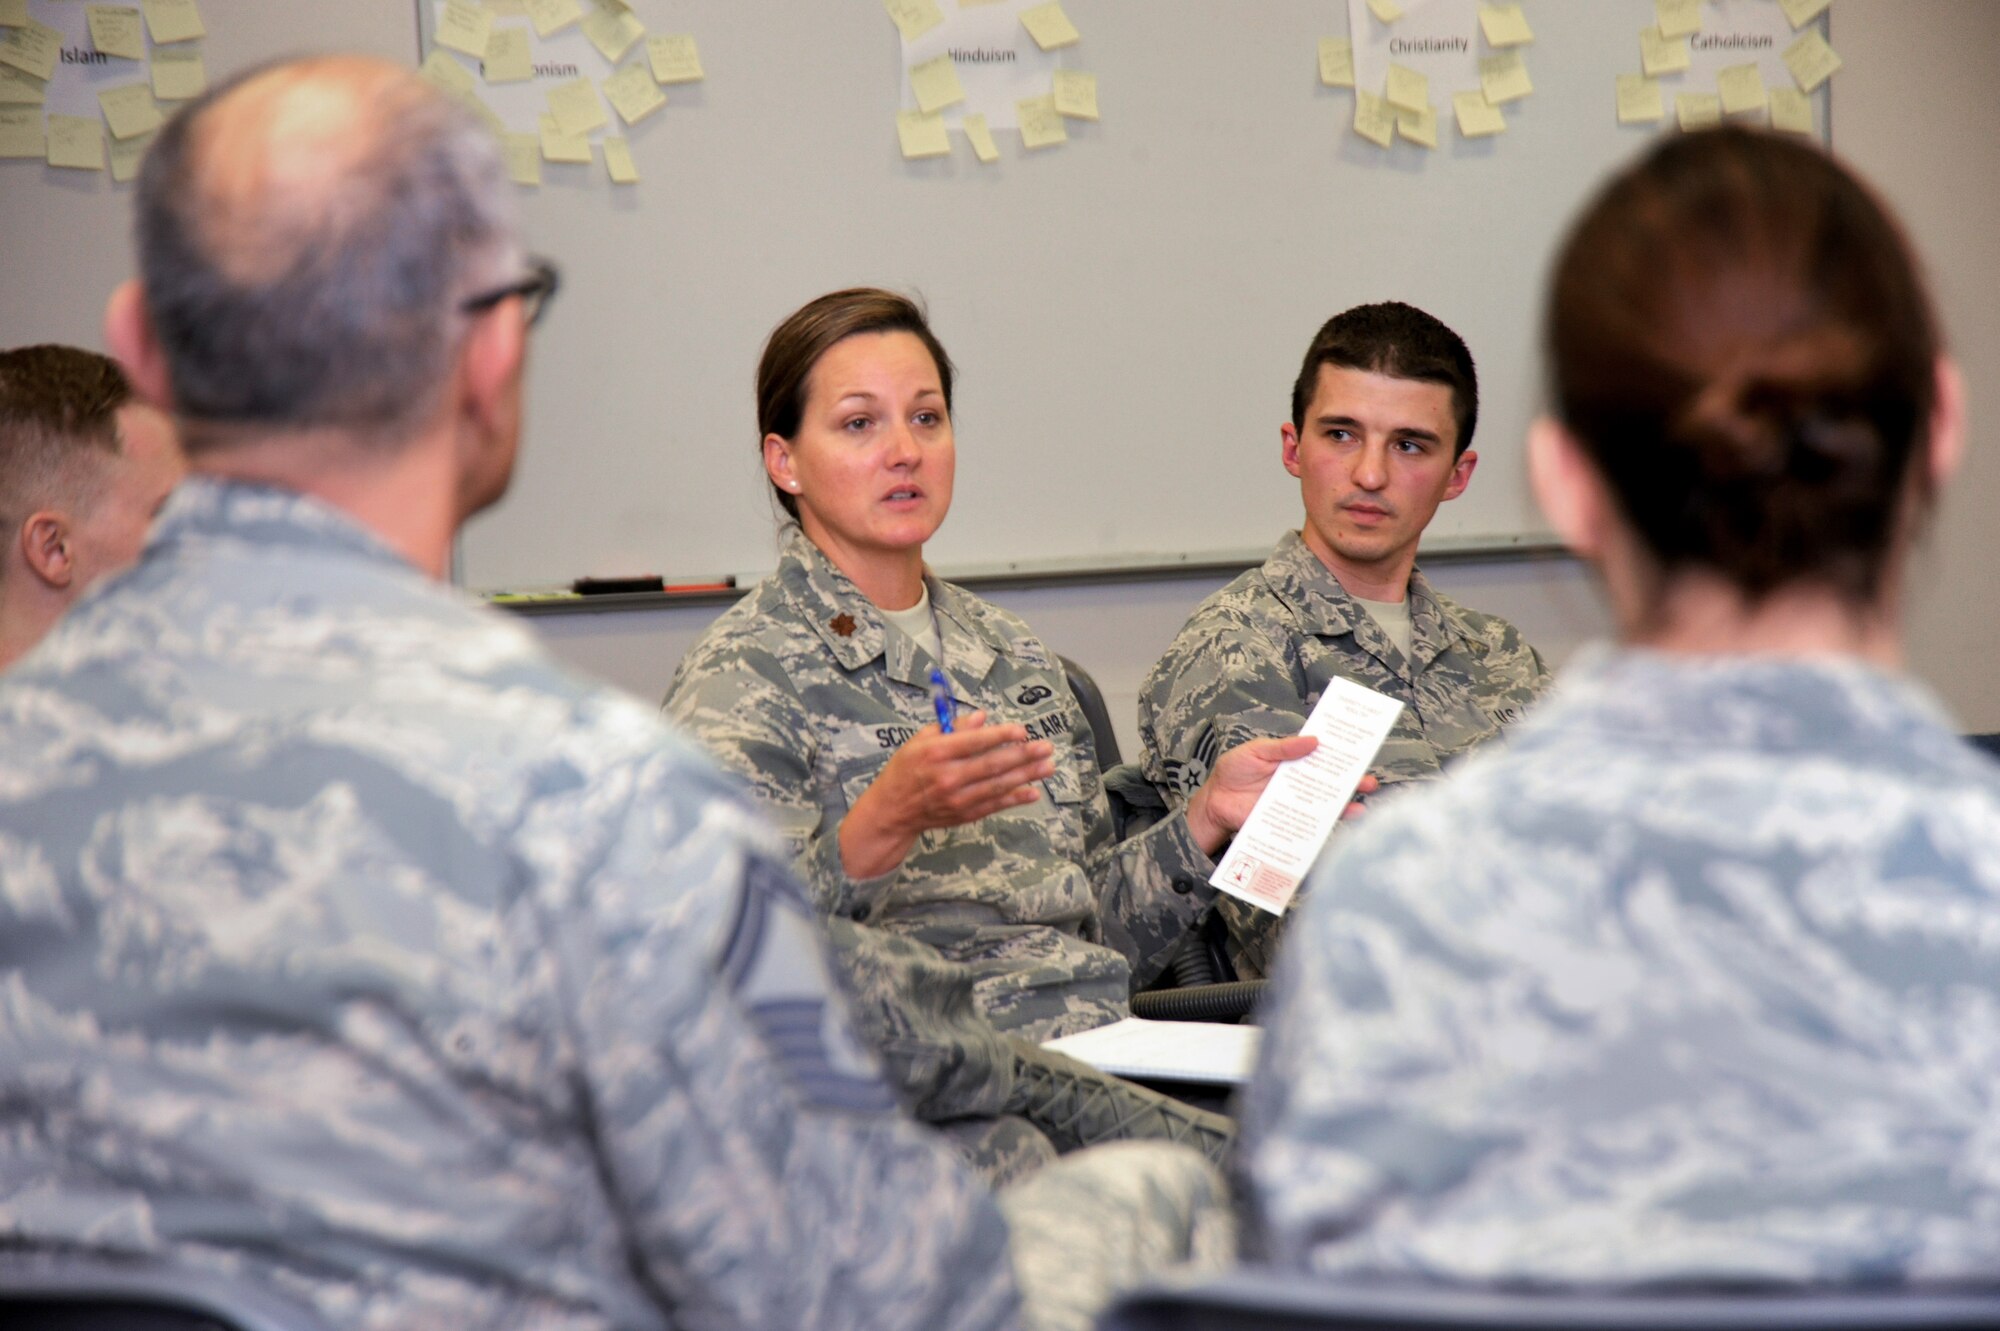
(1696, 977)
(359, 953)
(805, 692)
(1255, 657)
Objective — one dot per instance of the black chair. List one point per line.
(1091, 699)
(49, 1292)
(1263, 1300)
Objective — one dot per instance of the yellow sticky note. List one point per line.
(1639, 100)
(913, 18)
(551, 17)
(633, 91)
(178, 73)
(1407, 90)
(32, 48)
(116, 30)
(576, 108)
(14, 14)
(1791, 111)
(524, 158)
(1811, 60)
(130, 110)
(612, 32)
(18, 89)
(1697, 110)
(618, 161)
(1041, 123)
(1677, 18)
(1660, 54)
(1477, 117)
(1505, 25)
(76, 142)
(936, 84)
(479, 108)
(981, 138)
(21, 132)
(1419, 127)
(1802, 12)
(126, 155)
(1504, 78)
(674, 59)
(1386, 11)
(1336, 62)
(508, 58)
(173, 20)
(1050, 27)
(1076, 94)
(1374, 119)
(465, 27)
(922, 134)
(1742, 89)
(558, 146)
(441, 71)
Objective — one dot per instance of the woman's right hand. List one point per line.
(937, 780)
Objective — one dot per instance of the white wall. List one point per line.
(1913, 110)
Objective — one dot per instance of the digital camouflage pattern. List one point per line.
(1698, 976)
(1254, 658)
(803, 691)
(356, 952)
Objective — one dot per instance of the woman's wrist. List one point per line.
(869, 847)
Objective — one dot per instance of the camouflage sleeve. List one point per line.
(1223, 681)
(762, 1169)
(741, 707)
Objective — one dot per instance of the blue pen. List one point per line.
(941, 699)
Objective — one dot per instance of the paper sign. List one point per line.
(1802, 12)
(1639, 100)
(117, 31)
(1677, 18)
(559, 146)
(1697, 110)
(1477, 117)
(1407, 90)
(674, 59)
(465, 27)
(173, 20)
(1374, 118)
(551, 17)
(1659, 54)
(1811, 60)
(1286, 830)
(1076, 94)
(76, 142)
(612, 32)
(633, 91)
(1505, 25)
(130, 110)
(509, 58)
(1385, 11)
(33, 48)
(18, 89)
(1742, 89)
(21, 132)
(1041, 124)
(178, 73)
(936, 84)
(1050, 27)
(1504, 78)
(524, 158)
(1336, 62)
(922, 134)
(576, 108)
(1419, 127)
(981, 138)
(1791, 111)
(618, 161)
(126, 154)
(914, 18)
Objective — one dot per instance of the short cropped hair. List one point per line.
(1400, 341)
(336, 308)
(58, 427)
(1740, 339)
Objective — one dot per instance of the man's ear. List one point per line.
(1288, 437)
(1567, 487)
(489, 367)
(128, 334)
(1947, 433)
(1461, 473)
(45, 548)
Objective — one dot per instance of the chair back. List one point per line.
(1091, 700)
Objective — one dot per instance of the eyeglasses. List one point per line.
(536, 290)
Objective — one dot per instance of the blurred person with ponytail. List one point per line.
(1696, 979)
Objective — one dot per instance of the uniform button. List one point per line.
(859, 914)
(1183, 886)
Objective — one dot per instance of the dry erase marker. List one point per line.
(941, 699)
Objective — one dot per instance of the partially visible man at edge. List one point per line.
(83, 468)
(376, 962)
(1380, 434)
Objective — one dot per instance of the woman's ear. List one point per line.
(1567, 487)
(778, 463)
(1947, 433)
